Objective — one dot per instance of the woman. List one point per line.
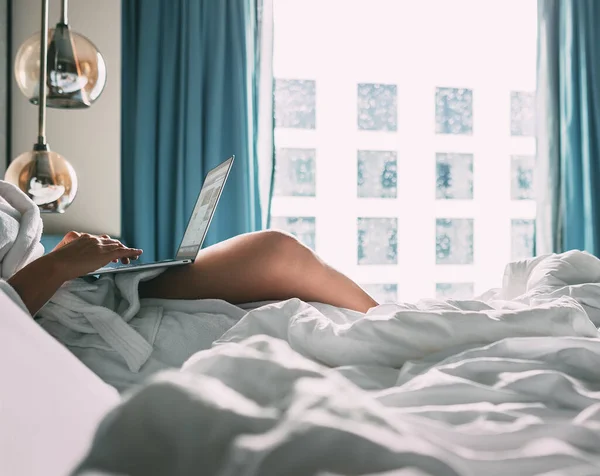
(265, 265)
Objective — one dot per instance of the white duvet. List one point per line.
(505, 385)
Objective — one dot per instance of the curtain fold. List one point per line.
(190, 99)
(568, 184)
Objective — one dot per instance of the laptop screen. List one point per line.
(203, 211)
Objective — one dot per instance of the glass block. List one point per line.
(377, 174)
(454, 111)
(295, 103)
(377, 240)
(295, 172)
(454, 290)
(454, 241)
(377, 107)
(522, 236)
(521, 177)
(302, 228)
(382, 293)
(522, 113)
(454, 176)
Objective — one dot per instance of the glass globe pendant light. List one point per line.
(45, 176)
(76, 73)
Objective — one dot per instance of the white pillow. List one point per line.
(50, 403)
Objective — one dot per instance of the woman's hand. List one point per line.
(73, 235)
(81, 253)
(77, 254)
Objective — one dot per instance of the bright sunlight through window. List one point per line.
(405, 139)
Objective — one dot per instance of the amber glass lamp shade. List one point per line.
(76, 69)
(46, 177)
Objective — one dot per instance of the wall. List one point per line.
(89, 139)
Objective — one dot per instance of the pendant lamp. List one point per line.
(76, 73)
(45, 176)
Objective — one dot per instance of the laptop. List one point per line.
(196, 229)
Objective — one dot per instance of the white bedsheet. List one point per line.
(509, 384)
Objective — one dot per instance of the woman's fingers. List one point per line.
(121, 251)
(118, 251)
(109, 241)
(110, 247)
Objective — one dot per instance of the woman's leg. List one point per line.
(265, 265)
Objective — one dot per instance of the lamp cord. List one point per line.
(43, 73)
(64, 19)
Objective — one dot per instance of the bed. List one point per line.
(506, 384)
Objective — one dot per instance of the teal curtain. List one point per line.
(568, 180)
(191, 80)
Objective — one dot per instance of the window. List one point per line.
(404, 136)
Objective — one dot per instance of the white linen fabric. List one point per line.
(21, 230)
(507, 384)
(124, 339)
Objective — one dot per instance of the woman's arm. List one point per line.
(37, 282)
(79, 254)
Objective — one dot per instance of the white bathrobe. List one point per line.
(104, 323)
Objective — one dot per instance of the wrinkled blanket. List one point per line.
(507, 384)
